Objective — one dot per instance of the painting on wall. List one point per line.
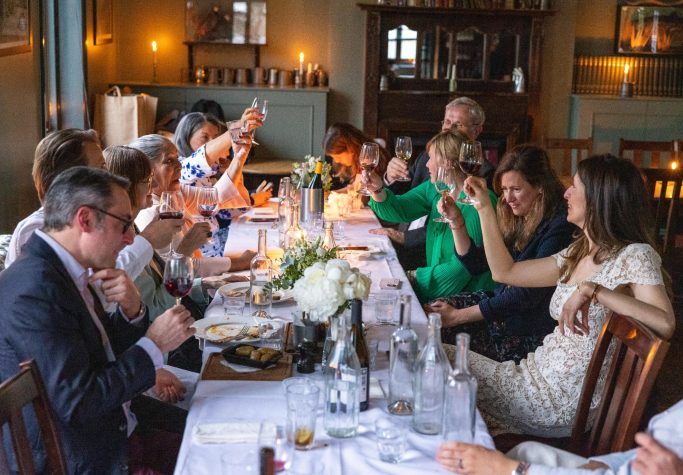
(226, 21)
(650, 29)
(15, 27)
(103, 23)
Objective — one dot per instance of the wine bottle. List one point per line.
(267, 461)
(317, 180)
(362, 352)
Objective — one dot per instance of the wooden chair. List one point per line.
(582, 148)
(658, 151)
(17, 392)
(637, 359)
(664, 190)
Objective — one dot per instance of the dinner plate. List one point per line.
(225, 330)
(235, 289)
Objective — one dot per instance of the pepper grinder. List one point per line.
(306, 362)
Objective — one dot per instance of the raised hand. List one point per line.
(198, 234)
(170, 329)
(397, 169)
(476, 188)
(448, 209)
(118, 287)
(159, 232)
(372, 181)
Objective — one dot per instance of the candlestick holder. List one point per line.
(154, 73)
(626, 89)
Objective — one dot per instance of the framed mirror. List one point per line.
(649, 30)
(226, 21)
(402, 51)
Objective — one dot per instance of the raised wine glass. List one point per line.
(444, 183)
(368, 158)
(178, 275)
(404, 150)
(207, 201)
(171, 206)
(470, 161)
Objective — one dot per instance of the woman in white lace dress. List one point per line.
(610, 266)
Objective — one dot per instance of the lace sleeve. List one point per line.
(638, 264)
(560, 257)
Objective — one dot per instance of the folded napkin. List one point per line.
(226, 433)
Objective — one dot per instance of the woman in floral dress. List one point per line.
(611, 266)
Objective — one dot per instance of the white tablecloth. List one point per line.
(231, 401)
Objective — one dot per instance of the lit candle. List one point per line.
(626, 73)
(154, 61)
(674, 165)
(301, 63)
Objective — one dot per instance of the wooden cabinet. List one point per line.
(411, 51)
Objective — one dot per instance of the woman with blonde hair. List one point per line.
(444, 274)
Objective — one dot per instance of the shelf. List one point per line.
(462, 11)
(453, 93)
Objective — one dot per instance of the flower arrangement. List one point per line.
(302, 172)
(326, 289)
(297, 258)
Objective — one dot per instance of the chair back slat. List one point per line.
(24, 389)
(664, 191)
(658, 151)
(581, 147)
(637, 358)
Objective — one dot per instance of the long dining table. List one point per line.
(237, 401)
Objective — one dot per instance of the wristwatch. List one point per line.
(521, 469)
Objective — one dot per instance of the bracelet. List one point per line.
(521, 469)
(594, 295)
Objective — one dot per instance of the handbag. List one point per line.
(121, 118)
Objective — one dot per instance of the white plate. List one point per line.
(237, 288)
(370, 249)
(230, 327)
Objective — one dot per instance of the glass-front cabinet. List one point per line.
(418, 59)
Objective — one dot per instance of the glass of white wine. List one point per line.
(369, 159)
(444, 183)
(404, 150)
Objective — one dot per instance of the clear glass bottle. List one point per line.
(294, 232)
(284, 209)
(459, 416)
(260, 280)
(403, 353)
(361, 348)
(328, 239)
(342, 385)
(431, 374)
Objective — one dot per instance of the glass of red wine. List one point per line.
(207, 203)
(368, 158)
(178, 275)
(171, 206)
(470, 161)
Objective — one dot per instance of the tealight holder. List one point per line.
(626, 89)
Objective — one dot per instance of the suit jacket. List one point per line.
(45, 318)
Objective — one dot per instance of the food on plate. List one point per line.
(223, 332)
(244, 350)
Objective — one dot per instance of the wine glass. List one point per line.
(404, 150)
(470, 161)
(207, 201)
(275, 436)
(444, 183)
(369, 158)
(171, 206)
(178, 275)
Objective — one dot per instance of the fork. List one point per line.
(242, 334)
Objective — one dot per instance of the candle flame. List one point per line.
(154, 46)
(626, 69)
(674, 165)
(301, 57)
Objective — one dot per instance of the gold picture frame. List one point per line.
(15, 27)
(103, 22)
(649, 29)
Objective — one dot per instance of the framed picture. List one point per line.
(650, 29)
(103, 21)
(15, 27)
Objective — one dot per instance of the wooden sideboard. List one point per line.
(411, 97)
(295, 124)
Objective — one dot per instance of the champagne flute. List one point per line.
(404, 150)
(444, 183)
(470, 161)
(178, 275)
(368, 158)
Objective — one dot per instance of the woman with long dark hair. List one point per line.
(611, 266)
(532, 217)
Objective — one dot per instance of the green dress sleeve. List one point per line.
(406, 207)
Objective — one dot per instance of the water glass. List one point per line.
(306, 463)
(235, 461)
(275, 436)
(372, 354)
(302, 405)
(391, 440)
(233, 305)
(385, 306)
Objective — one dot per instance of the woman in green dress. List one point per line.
(444, 274)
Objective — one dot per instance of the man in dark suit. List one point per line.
(462, 114)
(92, 363)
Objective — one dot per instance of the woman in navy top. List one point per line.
(532, 216)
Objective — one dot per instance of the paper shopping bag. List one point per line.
(121, 118)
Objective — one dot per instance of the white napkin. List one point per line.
(226, 433)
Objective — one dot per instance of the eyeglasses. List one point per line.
(457, 125)
(127, 223)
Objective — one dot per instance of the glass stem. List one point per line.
(177, 300)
